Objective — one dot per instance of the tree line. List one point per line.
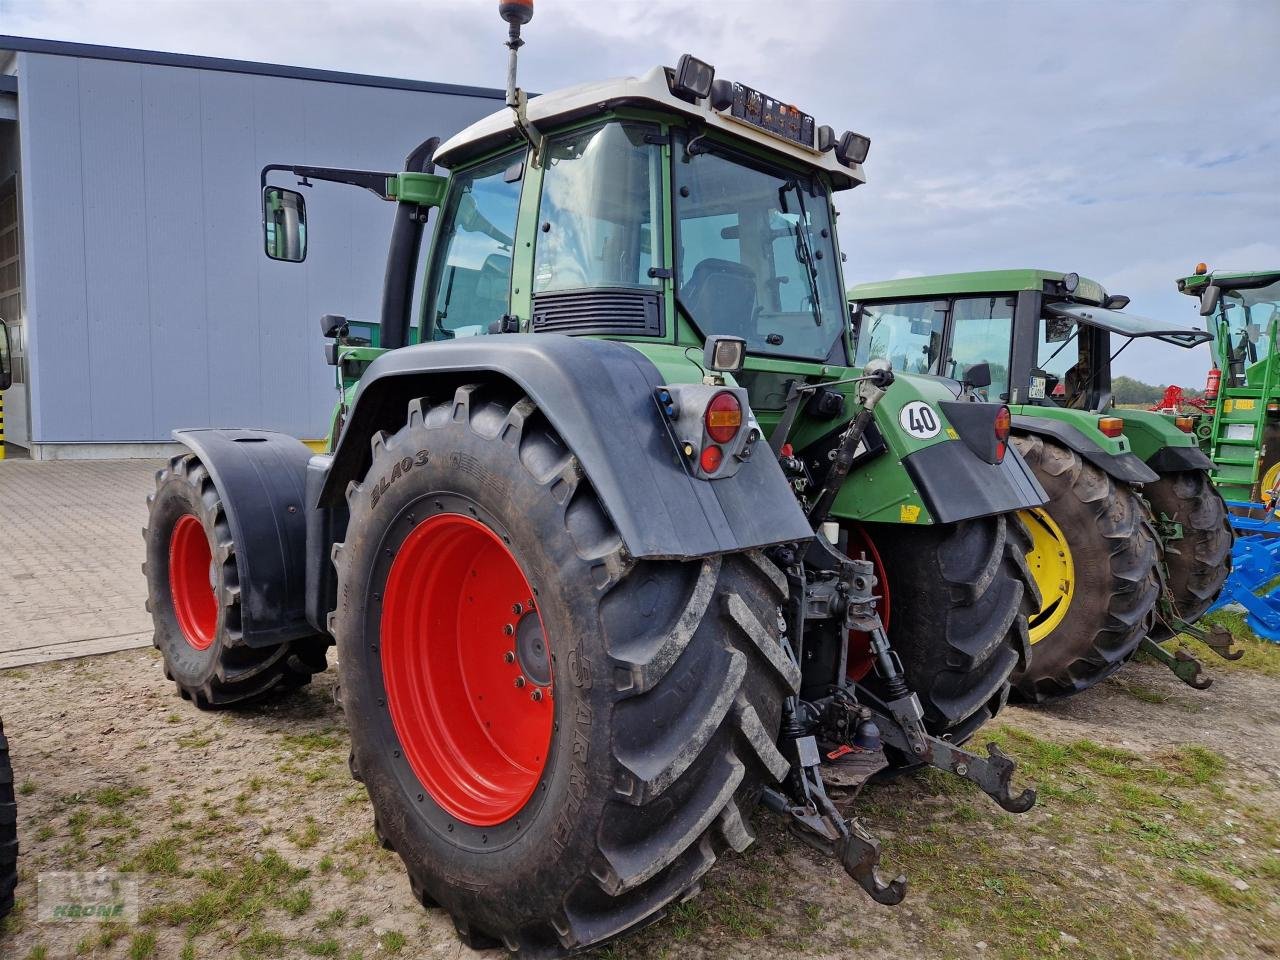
(1129, 390)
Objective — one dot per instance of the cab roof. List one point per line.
(1227, 280)
(548, 111)
(980, 281)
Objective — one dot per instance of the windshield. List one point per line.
(756, 255)
(1247, 315)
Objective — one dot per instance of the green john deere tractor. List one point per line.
(1242, 434)
(608, 555)
(1134, 542)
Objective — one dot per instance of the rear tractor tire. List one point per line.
(8, 830)
(1197, 565)
(1096, 559)
(557, 739)
(956, 600)
(193, 595)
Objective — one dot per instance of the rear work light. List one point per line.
(723, 417)
(1003, 422)
(1111, 426)
(1185, 424)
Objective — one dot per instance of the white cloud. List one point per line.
(1122, 140)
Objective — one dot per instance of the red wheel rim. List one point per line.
(861, 662)
(191, 582)
(474, 726)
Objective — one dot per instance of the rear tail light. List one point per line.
(723, 418)
(712, 457)
(1002, 424)
(1111, 426)
(1185, 424)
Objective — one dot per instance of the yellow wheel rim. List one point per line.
(1269, 480)
(1053, 569)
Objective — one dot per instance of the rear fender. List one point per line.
(599, 396)
(261, 480)
(1125, 467)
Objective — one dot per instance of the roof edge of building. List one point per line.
(93, 51)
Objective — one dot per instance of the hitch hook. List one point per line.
(1184, 665)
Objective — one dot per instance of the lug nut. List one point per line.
(509, 656)
(536, 695)
(520, 681)
(517, 609)
(508, 629)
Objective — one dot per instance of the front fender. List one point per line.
(599, 397)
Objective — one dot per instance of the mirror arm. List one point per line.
(372, 180)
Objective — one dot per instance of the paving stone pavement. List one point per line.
(71, 557)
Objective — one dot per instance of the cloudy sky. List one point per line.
(1122, 140)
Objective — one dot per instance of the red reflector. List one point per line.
(1001, 426)
(723, 417)
(1111, 426)
(711, 459)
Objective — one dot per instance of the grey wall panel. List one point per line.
(149, 275)
(232, 255)
(113, 155)
(176, 254)
(53, 230)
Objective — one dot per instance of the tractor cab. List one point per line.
(1242, 434)
(1045, 337)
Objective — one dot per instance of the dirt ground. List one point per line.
(1157, 834)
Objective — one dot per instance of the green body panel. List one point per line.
(1082, 420)
(423, 189)
(1149, 432)
(981, 281)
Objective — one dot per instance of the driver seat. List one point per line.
(721, 296)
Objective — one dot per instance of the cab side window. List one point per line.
(982, 331)
(908, 335)
(471, 286)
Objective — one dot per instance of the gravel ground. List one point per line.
(1157, 834)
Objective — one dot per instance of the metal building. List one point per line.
(131, 267)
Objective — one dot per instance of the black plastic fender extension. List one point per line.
(1125, 467)
(599, 397)
(1178, 459)
(261, 480)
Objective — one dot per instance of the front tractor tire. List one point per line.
(557, 739)
(1198, 562)
(956, 601)
(1096, 560)
(193, 595)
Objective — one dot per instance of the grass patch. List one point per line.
(142, 946)
(1217, 887)
(231, 896)
(393, 941)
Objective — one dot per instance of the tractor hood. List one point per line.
(1130, 325)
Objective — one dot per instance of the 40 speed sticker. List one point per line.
(920, 420)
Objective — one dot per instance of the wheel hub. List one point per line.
(191, 582)
(466, 669)
(1053, 568)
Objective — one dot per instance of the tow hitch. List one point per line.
(1186, 666)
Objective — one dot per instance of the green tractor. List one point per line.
(613, 541)
(1134, 544)
(1242, 433)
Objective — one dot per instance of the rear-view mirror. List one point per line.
(1209, 299)
(284, 224)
